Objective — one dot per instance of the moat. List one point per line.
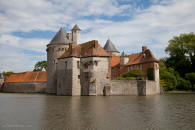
(34, 111)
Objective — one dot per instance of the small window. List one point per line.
(65, 64)
(78, 76)
(54, 61)
(62, 49)
(86, 76)
(86, 66)
(140, 67)
(96, 63)
(78, 64)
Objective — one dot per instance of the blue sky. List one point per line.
(27, 26)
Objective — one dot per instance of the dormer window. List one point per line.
(144, 55)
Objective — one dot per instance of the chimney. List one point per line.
(68, 36)
(124, 58)
(144, 48)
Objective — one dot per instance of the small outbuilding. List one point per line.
(26, 82)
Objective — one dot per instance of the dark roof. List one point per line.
(76, 27)
(109, 46)
(60, 37)
(88, 49)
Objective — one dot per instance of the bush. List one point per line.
(133, 73)
(168, 79)
(183, 84)
(126, 78)
(130, 78)
(150, 73)
(6, 74)
(191, 78)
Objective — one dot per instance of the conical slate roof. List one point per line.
(60, 37)
(109, 46)
(76, 27)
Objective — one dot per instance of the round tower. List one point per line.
(76, 34)
(57, 46)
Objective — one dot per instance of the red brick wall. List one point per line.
(119, 70)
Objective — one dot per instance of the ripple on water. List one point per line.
(171, 111)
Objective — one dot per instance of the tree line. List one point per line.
(177, 71)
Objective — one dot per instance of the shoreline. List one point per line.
(179, 92)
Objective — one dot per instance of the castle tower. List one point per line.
(57, 46)
(124, 58)
(76, 34)
(111, 49)
(68, 73)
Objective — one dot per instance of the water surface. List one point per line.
(33, 111)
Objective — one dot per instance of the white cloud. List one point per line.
(33, 44)
(152, 26)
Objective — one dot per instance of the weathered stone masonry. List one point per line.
(87, 69)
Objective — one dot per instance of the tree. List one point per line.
(191, 78)
(40, 66)
(8, 73)
(133, 73)
(168, 78)
(182, 53)
(150, 73)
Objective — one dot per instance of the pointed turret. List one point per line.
(76, 27)
(76, 34)
(60, 37)
(110, 48)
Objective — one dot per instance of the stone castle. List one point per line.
(89, 69)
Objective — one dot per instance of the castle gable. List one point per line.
(137, 58)
(88, 49)
(142, 57)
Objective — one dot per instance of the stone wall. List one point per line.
(25, 87)
(152, 87)
(1, 84)
(94, 75)
(68, 76)
(134, 87)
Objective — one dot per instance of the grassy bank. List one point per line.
(176, 91)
